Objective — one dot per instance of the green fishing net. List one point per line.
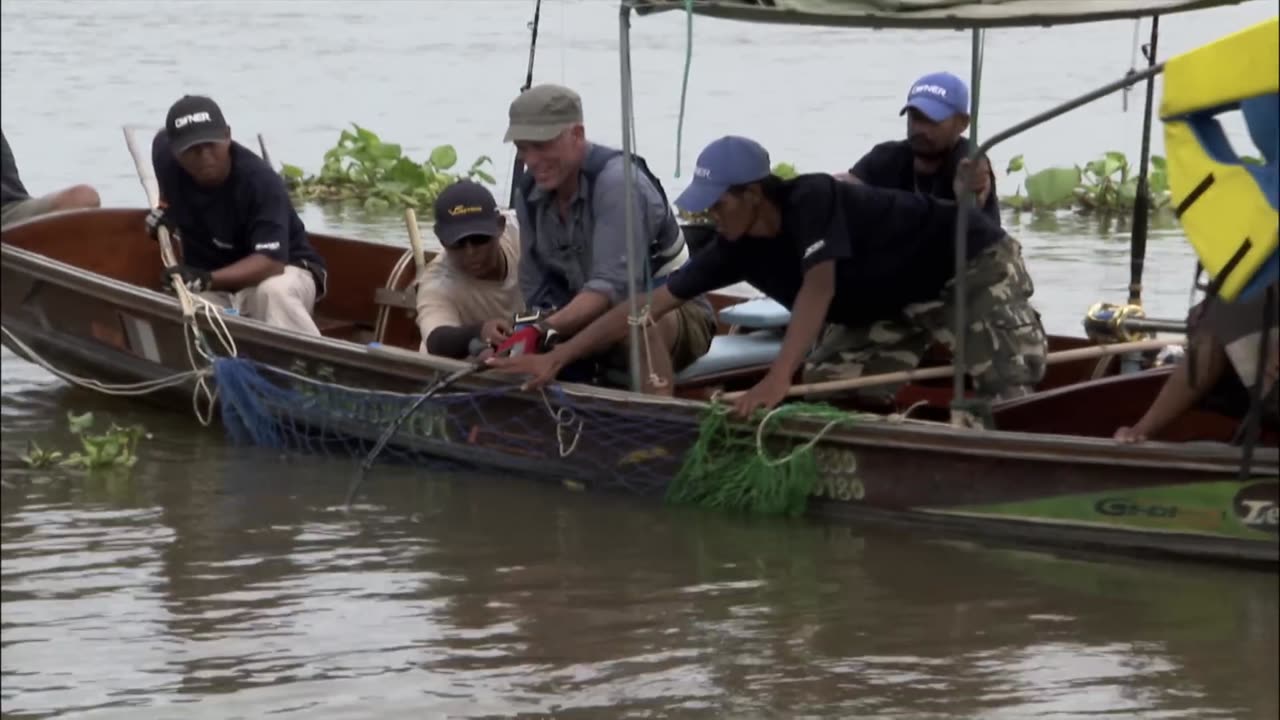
(729, 467)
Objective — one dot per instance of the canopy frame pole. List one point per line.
(629, 190)
(965, 201)
(1141, 220)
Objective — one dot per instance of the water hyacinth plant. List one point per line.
(1105, 185)
(115, 448)
(362, 168)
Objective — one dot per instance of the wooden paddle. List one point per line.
(152, 189)
(1061, 356)
(415, 239)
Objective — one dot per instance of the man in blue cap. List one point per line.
(935, 150)
(846, 255)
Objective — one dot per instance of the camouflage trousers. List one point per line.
(1005, 345)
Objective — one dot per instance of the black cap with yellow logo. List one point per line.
(463, 209)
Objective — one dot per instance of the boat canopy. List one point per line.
(922, 14)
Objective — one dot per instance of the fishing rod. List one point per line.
(517, 167)
(1138, 240)
(369, 459)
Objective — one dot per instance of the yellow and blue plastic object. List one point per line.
(1228, 208)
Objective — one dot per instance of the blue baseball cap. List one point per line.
(939, 96)
(729, 161)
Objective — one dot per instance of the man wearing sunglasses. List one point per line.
(468, 293)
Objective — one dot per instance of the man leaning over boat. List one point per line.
(846, 254)
(17, 204)
(243, 244)
(470, 293)
(573, 266)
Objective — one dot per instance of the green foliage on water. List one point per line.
(1107, 184)
(363, 169)
(114, 448)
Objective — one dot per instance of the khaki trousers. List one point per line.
(285, 300)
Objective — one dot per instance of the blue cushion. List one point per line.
(759, 313)
(731, 352)
(1262, 117)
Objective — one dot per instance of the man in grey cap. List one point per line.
(571, 208)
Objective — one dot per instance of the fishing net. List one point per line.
(704, 460)
(730, 468)
(635, 449)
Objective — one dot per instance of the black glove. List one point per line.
(157, 219)
(195, 279)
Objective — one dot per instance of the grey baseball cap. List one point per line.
(542, 112)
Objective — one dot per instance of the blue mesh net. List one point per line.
(592, 442)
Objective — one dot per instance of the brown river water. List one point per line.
(217, 581)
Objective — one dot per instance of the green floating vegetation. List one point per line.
(1105, 185)
(363, 169)
(115, 448)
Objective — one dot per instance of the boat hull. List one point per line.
(1181, 499)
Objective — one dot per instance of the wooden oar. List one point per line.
(1054, 358)
(167, 256)
(415, 239)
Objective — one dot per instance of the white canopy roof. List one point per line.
(953, 14)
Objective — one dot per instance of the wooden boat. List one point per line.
(81, 295)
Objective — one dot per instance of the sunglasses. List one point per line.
(472, 240)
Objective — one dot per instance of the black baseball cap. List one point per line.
(193, 120)
(463, 209)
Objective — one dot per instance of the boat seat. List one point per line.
(729, 353)
(758, 314)
(733, 352)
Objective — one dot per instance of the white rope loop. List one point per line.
(564, 418)
(646, 321)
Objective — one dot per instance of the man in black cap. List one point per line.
(17, 204)
(243, 245)
(469, 294)
(935, 151)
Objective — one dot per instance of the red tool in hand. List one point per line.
(525, 341)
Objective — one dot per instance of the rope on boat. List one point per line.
(564, 418)
(838, 418)
(109, 388)
(646, 321)
(196, 345)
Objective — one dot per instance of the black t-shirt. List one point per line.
(249, 213)
(11, 188)
(892, 165)
(891, 248)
